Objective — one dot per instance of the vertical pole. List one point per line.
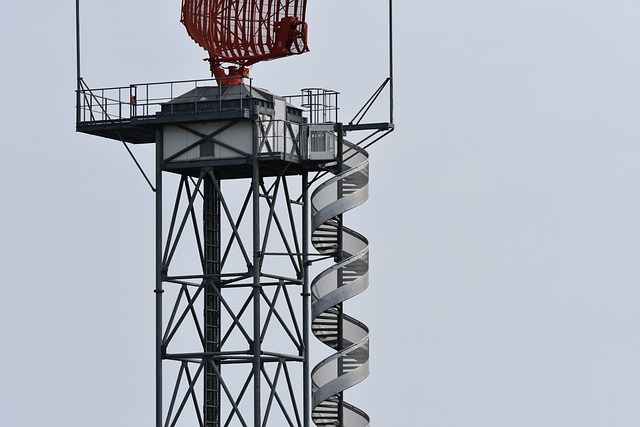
(78, 87)
(255, 186)
(78, 40)
(306, 301)
(159, 277)
(391, 61)
(339, 258)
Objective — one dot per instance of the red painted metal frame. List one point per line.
(243, 32)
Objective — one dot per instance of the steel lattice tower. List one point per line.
(253, 260)
(246, 182)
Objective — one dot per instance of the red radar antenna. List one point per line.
(244, 32)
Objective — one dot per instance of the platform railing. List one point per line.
(320, 105)
(140, 101)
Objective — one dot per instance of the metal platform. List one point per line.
(133, 113)
(199, 111)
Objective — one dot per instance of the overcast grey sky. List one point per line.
(504, 212)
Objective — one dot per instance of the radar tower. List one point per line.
(245, 181)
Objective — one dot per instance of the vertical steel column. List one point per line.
(339, 258)
(390, 61)
(212, 314)
(160, 273)
(306, 301)
(78, 76)
(257, 267)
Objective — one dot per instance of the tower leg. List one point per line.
(306, 302)
(257, 274)
(159, 279)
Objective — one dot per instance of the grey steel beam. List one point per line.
(257, 267)
(306, 302)
(159, 278)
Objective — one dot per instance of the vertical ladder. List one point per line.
(212, 327)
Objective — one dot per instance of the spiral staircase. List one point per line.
(348, 337)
